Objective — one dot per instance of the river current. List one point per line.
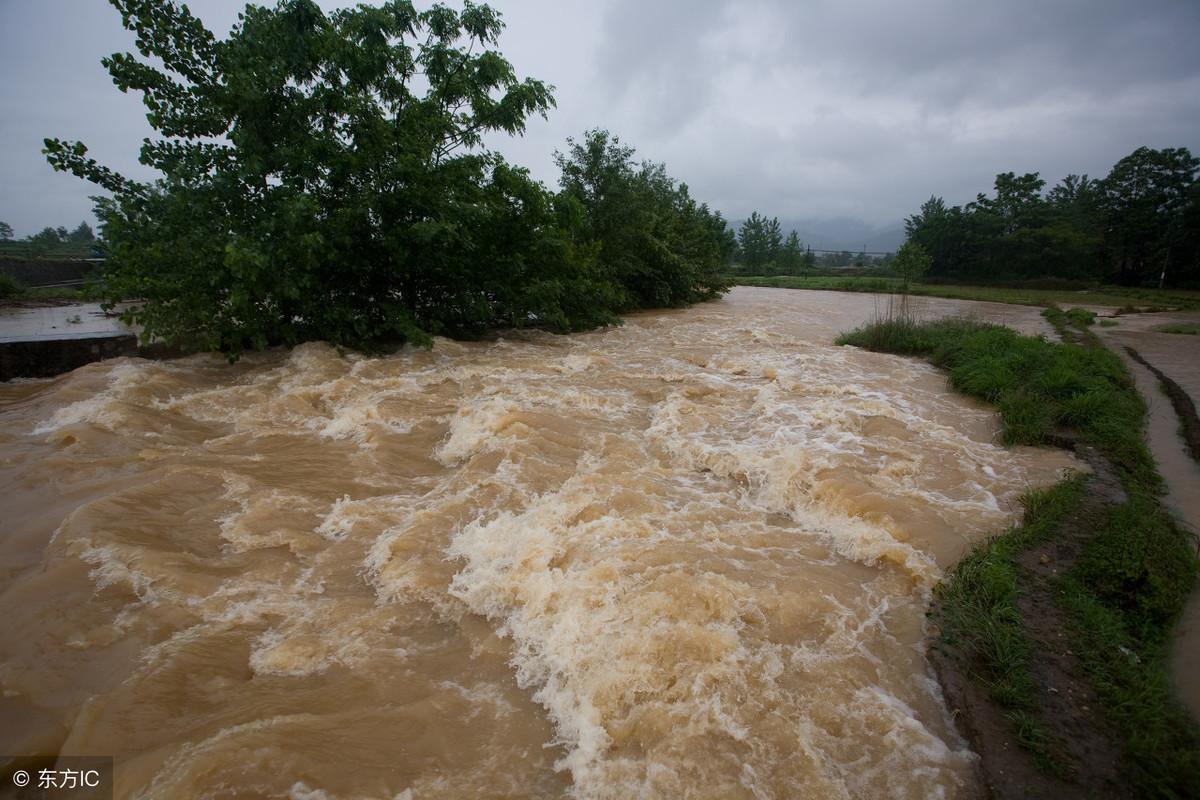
(685, 557)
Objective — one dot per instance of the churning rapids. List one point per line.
(686, 557)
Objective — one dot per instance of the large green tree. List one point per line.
(1144, 203)
(942, 233)
(46, 240)
(760, 241)
(910, 263)
(1139, 225)
(82, 235)
(655, 245)
(791, 255)
(322, 176)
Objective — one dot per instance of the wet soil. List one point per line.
(1185, 409)
(1084, 746)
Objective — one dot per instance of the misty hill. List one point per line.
(843, 233)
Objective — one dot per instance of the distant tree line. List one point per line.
(761, 248)
(1139, 225)
(323, 176)
(845, 258)
(49, 240)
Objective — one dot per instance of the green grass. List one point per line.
(1034, 738)
(1109, 323)
(980, 618)
(1081, 317)
(1131, 676)
(79, 293)
(9, 287)
(1188, 328)
(12, 290)
(1133, 574)
(1039, 387)
(979, 597)
(1115, 296)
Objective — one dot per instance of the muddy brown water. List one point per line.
(686, 557)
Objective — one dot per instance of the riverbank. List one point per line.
(1168, 375)
(1052, 639)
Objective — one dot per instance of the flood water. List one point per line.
(685, 557)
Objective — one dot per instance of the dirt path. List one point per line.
(1175, 356)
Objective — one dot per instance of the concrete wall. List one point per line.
(44, 358)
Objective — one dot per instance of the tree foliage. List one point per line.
(323, 177)
(759, 240)
(81, 235)
(910, 263)
(51, 241)
(763, 249)
(1138, 225)
(1143, 206)
(792, 259)
(46, 240)
(656, 245)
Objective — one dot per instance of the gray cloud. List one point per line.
(801, 109)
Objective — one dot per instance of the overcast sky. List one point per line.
(804, 109)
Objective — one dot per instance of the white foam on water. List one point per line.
(102, 408)
(475, 428)
(609, 644)
(340, 520)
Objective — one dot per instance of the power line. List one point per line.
(853, 252)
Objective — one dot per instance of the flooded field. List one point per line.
(686, 557)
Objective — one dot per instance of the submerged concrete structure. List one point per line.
(43, 341)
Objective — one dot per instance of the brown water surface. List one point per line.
(686, 557)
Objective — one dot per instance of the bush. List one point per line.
(1081, 317)
(9, 287)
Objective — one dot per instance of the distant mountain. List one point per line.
(843, 233)
(887, 240)
(846, 234)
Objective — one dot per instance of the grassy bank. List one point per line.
(1116, 296)
(1186, 328)
(1123, 568)
(12, 290)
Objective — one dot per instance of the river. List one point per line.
(685, 557)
